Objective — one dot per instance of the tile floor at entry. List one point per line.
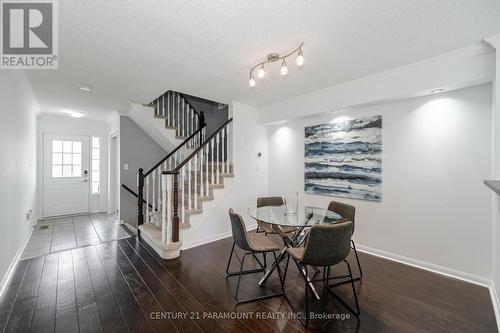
(66, 233)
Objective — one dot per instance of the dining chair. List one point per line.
(348, 213)
(251, 244)
(271, 202)
(326, 245)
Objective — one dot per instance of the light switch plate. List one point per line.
(125, 166)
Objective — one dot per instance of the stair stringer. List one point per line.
(197, 220)
(154, 126)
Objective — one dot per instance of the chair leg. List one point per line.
(264, 254)
(306, 287)
(286, 267)
(250, 271)
(353, 288)
(239, 277)
(330, 290)
(229, 261)
(279, 272)
(306, 290)
(357, 259)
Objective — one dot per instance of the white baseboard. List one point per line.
(133, 229)
(12, 267)
(214, 238)
(495, 299)
(449, 272)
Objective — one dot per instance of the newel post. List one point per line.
(175, 215)
(140, 195)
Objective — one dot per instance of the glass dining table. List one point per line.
(282, 218)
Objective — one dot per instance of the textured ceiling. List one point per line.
(134, 50)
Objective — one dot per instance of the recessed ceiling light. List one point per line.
(75, 114)
(86, 88)
(435, 91)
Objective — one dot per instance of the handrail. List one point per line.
(175, 150)
(135, 194)
(188, 103)
(187, 159)
(185, 100)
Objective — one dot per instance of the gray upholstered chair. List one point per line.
(271, 202)
(251, 244)
(326, 245)
(348, 213)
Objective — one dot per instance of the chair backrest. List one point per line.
(328, 244)
(270, 201)
(239, 230)
(347, 211)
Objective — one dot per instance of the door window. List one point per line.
(66, 158)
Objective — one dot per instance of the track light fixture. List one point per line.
(273, 57)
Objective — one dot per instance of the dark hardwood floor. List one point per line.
(124, 286)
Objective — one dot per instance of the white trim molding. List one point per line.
(495, 299)
(449, 272)
(12, 267)
(493, 41)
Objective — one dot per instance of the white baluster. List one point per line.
(207, 149)
(184, 124)
(153, 176)
(172, 110)
(217, 140)
(196, 180)
(189, 184)
(166, 220)
(212, 155)
(224, 151)
(163, 105)
(178, 126)
(190, 120)
(158, 179)
(202, 191)
(148, 215)
(188, 116)
(183, 206)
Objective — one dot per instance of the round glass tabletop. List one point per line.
(303, 217)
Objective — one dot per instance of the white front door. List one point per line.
(66, 180)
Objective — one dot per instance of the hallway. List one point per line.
(54, 235)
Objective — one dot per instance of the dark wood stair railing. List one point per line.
(128, 189)
(152, 176)
(218, 141)
(178, 113)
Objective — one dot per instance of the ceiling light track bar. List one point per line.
(273, 57)
(277, 58)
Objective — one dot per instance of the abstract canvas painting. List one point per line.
(345, 159)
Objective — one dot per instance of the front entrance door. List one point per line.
(66, 184)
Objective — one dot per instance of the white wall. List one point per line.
(75, 126)
(113, 129)
(495, 199)
(250, 179)
(137, 150)
(436, 154)
(18, 109)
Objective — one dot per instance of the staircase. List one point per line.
(178, 193)
(169, 119)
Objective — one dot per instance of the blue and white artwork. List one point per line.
(345, 159)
